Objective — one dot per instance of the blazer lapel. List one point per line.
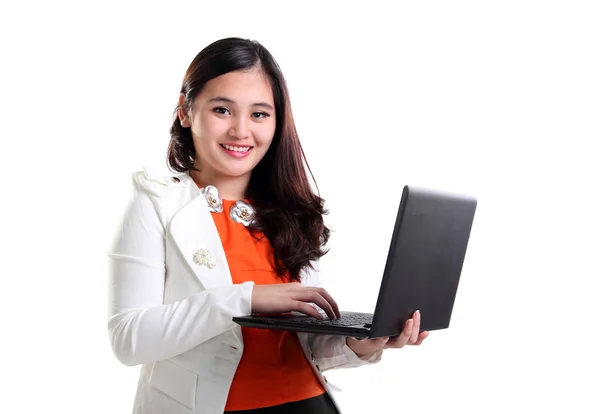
(195, 234)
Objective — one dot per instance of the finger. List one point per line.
(306, 309)
(416, 327)
(298, 287)
(382, 342)
(307, 295)
(315, 297)
(331, 301)
(375, 344)
(421, 338)
(404, 336)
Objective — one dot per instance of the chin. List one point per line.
(238, 172)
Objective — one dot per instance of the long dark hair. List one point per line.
(289, 212)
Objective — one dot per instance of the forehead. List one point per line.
(243, 87)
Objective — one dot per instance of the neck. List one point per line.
(230, 188)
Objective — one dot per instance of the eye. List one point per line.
(221, 110)
(260, 115)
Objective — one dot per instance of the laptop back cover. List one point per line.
(425, 260)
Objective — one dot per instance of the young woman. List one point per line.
(238, 230)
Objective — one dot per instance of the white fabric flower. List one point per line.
(242, 212)
(215, 203)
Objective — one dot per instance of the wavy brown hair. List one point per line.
(289, 212)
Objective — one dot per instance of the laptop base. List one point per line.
(355, 324)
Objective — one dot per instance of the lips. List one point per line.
(237, 151)
(237, 148)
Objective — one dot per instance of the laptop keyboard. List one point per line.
(347, 319)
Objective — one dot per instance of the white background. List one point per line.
(501, 99)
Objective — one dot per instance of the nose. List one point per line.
(240, 128)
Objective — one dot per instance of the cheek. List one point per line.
(207, 129)
(264, 136)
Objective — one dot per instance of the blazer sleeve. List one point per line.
(332, 351)
(141, 328)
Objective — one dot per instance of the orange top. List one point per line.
(273, 369)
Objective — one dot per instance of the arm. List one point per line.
(141, 328)
(332, 351)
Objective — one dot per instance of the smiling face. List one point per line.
(232, 124)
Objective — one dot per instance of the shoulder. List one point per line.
(164, 191)
(156, 182)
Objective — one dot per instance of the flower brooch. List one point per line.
(240, 212)
(215, 203)
(203, 258)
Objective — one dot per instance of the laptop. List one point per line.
(422, 271)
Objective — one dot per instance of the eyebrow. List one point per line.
(231, 101)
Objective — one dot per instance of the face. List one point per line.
(232, 123)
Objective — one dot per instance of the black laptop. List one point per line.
(422, 271)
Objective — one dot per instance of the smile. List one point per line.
(236, 149)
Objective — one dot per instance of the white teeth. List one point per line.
(236, 149)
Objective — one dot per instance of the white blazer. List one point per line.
(173, 315)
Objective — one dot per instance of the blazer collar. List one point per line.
(195, 234)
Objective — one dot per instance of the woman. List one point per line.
(237, 231)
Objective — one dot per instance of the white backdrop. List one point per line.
(496, 98)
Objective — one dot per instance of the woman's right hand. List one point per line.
(288, 297)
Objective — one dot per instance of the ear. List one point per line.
(181, 113)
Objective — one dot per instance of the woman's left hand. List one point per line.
(410, 335)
